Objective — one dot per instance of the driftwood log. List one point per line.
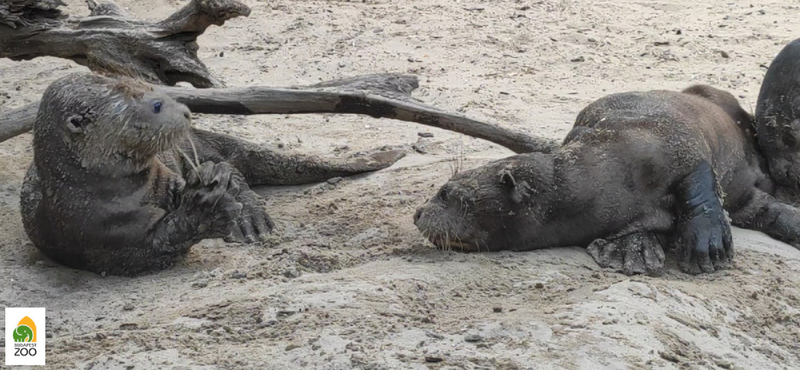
(109, 41)
(379, 96)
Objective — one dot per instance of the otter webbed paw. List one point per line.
(211, 191)
(702, 232)
(253, 224)
(637, 253)
(213, 182)
(704, 241)
(226, 199)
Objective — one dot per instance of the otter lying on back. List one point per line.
(97, 197)
(638, 171)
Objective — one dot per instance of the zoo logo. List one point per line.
(25, 331)
(25, 341)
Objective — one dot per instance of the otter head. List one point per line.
(779, 141)
(495, 207)
(778, 117)
(100, 120)
(778, 125)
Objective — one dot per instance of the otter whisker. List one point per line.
(186, 157)
(427, 235)
(196, 158)
(461, 243)
(484, 242)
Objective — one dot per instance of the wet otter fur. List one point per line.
(106, 193)
(639, 171)
(778, 122)
(97, 196)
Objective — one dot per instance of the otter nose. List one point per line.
(187, 113)
(417, 215)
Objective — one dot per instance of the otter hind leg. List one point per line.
(636, 253)
(766, 214)
(702, 231)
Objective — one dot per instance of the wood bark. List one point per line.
(110, 42)
(379, 96)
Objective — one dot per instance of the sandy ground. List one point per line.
(347, 281)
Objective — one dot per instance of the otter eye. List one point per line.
(75, 121)
(443, 195)
(157, 107)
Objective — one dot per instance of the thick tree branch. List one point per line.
(18, 121)
(379, 96)
(110, 42)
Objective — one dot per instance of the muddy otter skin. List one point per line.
(104, 192)
(639, 172)
(97, 197)
(778, 122)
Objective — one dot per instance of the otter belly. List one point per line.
(40, 226)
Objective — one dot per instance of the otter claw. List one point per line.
(214, 181)
(637, 253)
(704, 243)
(252, 225)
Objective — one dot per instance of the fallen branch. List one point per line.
(110, 42)
(18, 121)
(379, 96)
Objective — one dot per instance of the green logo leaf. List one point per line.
(23, 333)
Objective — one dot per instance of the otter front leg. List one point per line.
(766, 214)
(702, 232)
(252, 223)
(636, 253)
(206, 209)
(150, 238)
(212, 191)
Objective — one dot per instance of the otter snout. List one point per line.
(442, 228)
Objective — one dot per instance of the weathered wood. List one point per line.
(379, 96)
(24, 13)
(263, 100)
(18, 121)
(110, 42)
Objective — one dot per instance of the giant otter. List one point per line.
(106, 193)
(639, 171)
(778, 122)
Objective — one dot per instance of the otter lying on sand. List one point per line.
(105, 193)
(639, 171)
(778, 122)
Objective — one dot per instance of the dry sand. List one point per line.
(347, 282)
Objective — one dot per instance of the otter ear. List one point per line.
(76, 123)
(519, 191)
